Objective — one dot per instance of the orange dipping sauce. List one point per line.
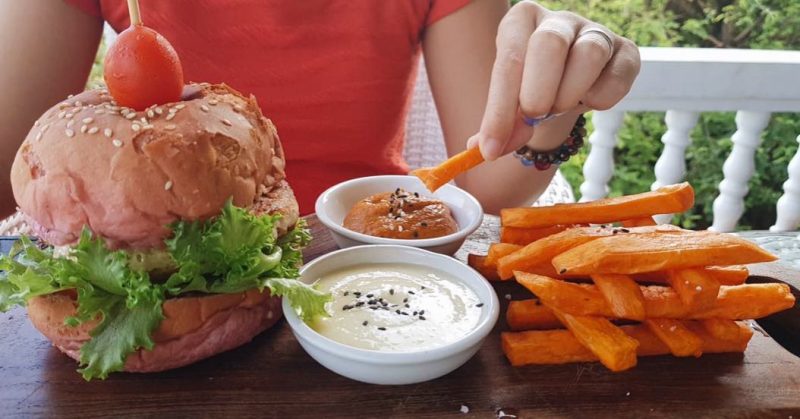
(401, 215)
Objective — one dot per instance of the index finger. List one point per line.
(501, 106)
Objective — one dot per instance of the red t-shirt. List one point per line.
(334, 76)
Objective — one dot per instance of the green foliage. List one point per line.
(96, 75)
(764, 24)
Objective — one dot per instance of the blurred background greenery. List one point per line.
(764, 24)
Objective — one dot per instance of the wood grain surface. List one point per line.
(273, 377)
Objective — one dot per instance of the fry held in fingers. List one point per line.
(435, 177)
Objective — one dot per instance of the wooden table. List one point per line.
(273, 377)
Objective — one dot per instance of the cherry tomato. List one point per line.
(142, 69)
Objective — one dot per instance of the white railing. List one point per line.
(686, 81)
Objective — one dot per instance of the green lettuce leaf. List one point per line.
(127, 303)
(25, 273)
(307, 301)
(102, 268)
(237, 251)
(124, 329)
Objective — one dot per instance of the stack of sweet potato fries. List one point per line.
(612, 285)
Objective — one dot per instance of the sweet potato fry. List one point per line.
(680, 340)
(523, 236)
(435, 177)
(738, 302)
(498, 250)
(639, 222)
(728, 275)
(748, 301)
(530, 315)
(724, 329)
(636, 253)
(615, 349)
(544, 250)
(725, 275)
(622, 295)
(696, 288)
(478, 262)
(665, 200)
(561, 346)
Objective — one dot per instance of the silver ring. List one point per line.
(603, 35)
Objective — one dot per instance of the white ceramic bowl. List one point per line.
(394, 367)
(334, 204)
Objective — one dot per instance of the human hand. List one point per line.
(549, 63)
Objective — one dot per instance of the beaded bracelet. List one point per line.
(542, 160)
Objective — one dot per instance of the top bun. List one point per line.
(127, 175)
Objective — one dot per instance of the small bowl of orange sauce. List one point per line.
(398, 210)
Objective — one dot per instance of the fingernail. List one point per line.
(472, 142)
(490, 148)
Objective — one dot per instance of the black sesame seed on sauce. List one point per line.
(365, 323)
(479, 305)
(381, 328)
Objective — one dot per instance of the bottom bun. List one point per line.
(193, 328)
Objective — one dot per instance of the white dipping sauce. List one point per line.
(396, 308)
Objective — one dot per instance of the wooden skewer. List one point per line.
(133, 11)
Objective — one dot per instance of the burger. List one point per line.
(162, 236)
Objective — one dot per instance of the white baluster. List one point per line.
(671, 165)
(738, 169)
(599, 166)
(789, 204)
